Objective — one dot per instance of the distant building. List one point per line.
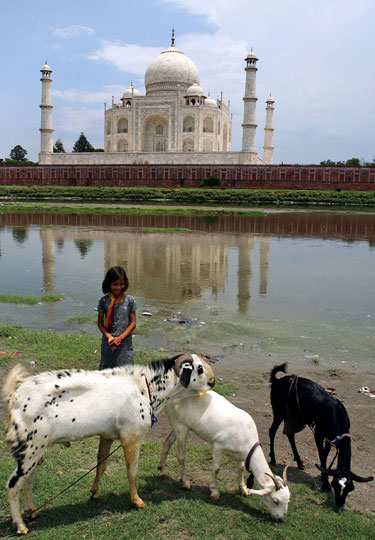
(175, 122)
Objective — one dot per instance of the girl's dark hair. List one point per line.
(113, 274)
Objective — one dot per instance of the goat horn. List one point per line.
(180, 360)
(275, 480)
(284, 476)
(261, 492)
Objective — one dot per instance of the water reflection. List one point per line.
(224, 260)
(165, 266)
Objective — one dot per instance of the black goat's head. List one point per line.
(343, 484)
(342, 487)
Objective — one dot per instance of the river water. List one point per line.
(289, 286)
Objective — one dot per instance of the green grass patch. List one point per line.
(82, 318)
(191, 195)
(58, 350)
(170, 511)
(29, 299)
(337, 372)
(225, 388)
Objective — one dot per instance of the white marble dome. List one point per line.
(130, 92)
(46, 68)
(210, 102)
(195, 90)
(171, 70)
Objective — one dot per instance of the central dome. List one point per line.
(170, 71)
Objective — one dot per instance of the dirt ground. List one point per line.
(253, 395)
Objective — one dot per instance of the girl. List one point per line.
(116, 320)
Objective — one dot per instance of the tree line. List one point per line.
(18, 154)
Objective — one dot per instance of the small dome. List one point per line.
(195, 90)
(270, 100)
(210, 102)
(46, 68)
(130, 92)
(251, 56)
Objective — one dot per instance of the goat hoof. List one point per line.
(21, 529)
(214, 497)
(301, 466)
(94, 494)
(326, 488)
(31, 514)
(138, 503)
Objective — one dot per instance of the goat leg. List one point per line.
(272, 432)
(164, 453)
(103, 452)
(296, 455)
(323, 449)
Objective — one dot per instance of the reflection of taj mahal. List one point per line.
(174, 122)
(181, 269)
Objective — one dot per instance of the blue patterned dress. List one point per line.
(121, 319)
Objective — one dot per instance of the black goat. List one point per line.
(300, 402)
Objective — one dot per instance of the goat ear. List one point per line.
(361, 478)
(328, 472)
(185, 374)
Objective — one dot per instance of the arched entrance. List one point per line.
(155, 134)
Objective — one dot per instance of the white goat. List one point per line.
(231, 431)
(62, 406)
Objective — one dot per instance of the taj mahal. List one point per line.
(175, 122)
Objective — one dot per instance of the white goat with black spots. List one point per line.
(68, 405)
(230, 431)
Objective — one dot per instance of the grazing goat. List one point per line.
(68, 405)
(300, 402)
(231, 431)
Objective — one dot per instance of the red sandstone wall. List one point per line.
(232, 176)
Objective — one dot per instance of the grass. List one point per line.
(120, 210)
(29, 299)
(170, 512)
(82, 318)
(336, 372)
(228, 196)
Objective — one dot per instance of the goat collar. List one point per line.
(250, 480)
(340, 438)
(250, 454)
(153, 417)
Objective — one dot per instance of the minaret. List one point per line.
(268, 132)
(249, 113)
(46, 131)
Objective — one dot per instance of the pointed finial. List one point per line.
(172, 41)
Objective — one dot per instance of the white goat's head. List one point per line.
(275, 497)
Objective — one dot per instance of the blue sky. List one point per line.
(316, 57)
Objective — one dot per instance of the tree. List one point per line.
(327, 162)
(353, 162)
(18, 153)
(58, 147)
(82, 144)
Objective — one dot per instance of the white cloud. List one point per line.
(76, 95)
(75, 30)
(75, 120)
(127, 56)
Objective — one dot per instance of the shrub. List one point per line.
(211, 181)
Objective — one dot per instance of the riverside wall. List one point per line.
(191, 176)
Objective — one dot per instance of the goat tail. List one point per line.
(13, 432)
(15, 377)
(277, 369)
